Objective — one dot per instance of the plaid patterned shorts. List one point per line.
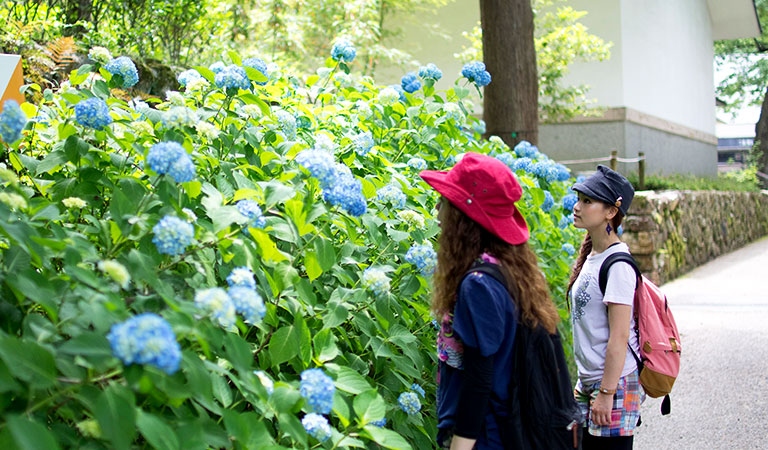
(626, 406)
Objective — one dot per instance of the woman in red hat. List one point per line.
(608, 388)
(479, 220)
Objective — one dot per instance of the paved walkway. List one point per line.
(720, 399)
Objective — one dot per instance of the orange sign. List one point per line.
(11, 79)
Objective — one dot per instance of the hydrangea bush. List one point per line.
(244, 264)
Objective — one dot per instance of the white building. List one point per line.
(657, 88)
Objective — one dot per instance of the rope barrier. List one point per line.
(602, 159)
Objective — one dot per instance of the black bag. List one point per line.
(543, 413)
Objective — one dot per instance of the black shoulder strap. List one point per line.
(494, 271)
(609, 261)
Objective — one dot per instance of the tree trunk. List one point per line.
(76, 11)
(760, 149)
(511, 101)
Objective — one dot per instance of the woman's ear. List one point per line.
(611, 212)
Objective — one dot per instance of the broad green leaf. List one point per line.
(312, 265)
(221, 389)
(75, 148)
(325, 345)
(369, 406)
(282, 346)
(30, 435)
(115, 411)
(156, 431)
(349, 380)
(34, 286)
(238, 352)
(267, 248)
(290, 424)
(386, 438)
(276, 192)
(326, 254)
(336, 315)
(29, 362)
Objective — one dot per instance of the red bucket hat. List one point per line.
(486, 190)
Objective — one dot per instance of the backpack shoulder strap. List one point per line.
(611, 260)
(494, 271)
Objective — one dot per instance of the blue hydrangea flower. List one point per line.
(409, 402)
(188, 76)
(423, 257)
(568, 248)
(524, 164)
(565, 221)
(248, 302)
(376, 281)
(12, 121)
(325, 143)
(93, 113)
(258, 64)
(320, 165)
(475, 72)
(479, 126)
(453, 112)
(241, 276)
(525, 149)
(507, 159)
(400, 92)
(415, 387)
(346, 192)
(217, 67)
(343, 51)
(146, 339)
(232, 77)
(417, 164)
(430, 72)
(124, 67)
(410, 82)
(563, 174)
(287, 123)
(179, 117)
(388, 96)
(172, 235)
(391, 194)
(569, 201)
(171, 158)
(381, 423)
(317, 388)
(216, 304)
(363, 142)
(316, 426)
(549, 202)
(252, 212)
(620, 230)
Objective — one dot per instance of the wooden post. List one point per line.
(614, 156)
(641, 171)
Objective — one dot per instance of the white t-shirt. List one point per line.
(589, 313)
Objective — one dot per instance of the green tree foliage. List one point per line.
(560, 41)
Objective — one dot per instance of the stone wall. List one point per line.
(672, 232)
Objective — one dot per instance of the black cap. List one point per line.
(608, 186)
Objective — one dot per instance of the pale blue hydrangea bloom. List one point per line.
(216, 304)
(12, 121)
(179, 116)
(325, 143)
(569, 201)
(217, 67)
(549, 201)
(188, 76)
(171, 158)
(410, 82)
(363, 109)
(146, 339)
(124, 67)
(565, 221)
(524, 164)
(317, 389)
(346, 192)
(251, 211)
(267, 382)
(409, 402)
(507, 159)
(479, 126)
(415, 387)
(172, 235)
(423, 257)
(388, 96)
(343, 51)
(248, 303)
(381, 423)
(258, 64)
(232, 77)
(453, 112)
(431, 72)
(569, 249)
(287, 123)
(417, 164)
(93, 113)
(363, 142)
(242, 276)
(376, 281)
(320, 165)
(475, 72)
(620, 230)
(391, 194)
(400, 93)
(316, 426)
(525, 149)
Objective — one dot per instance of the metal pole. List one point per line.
(614, 156)
(641, 171)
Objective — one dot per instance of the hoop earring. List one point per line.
(608, 229)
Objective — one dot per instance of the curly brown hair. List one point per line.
(462, 241)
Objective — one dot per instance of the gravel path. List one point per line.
(720, 399)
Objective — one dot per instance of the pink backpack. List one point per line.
(659, 359)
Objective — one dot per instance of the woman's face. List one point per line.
(589, 213)
(441, 208)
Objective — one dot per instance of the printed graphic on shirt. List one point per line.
(449, 347)
(582, 297)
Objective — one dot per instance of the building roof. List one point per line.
(733, 19)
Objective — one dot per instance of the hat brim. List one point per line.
(584, 189)
(511, 229)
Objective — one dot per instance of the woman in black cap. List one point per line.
(608, 387)
(479, 220)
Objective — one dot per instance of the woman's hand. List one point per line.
(600, 412)
(461, 443)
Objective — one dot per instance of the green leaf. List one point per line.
(281, 347)
(325, 345)
(238, 352)
(326, 254)
(221, 389)
(291, 424)
(312, 265)
(255, 75)
(37, 288)
(28, 361)
(369, 406)
(30, 435)
(89, 343)
(75, 148)
(234, 57)
(276, 192)
(349, 380)
(115, 411)
(386, 438)
(267, 248)
(158, 434)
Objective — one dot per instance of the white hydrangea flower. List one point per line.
(175, 98)
(206, 130)
(117, 272)
(100, 55)
(74, 203)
